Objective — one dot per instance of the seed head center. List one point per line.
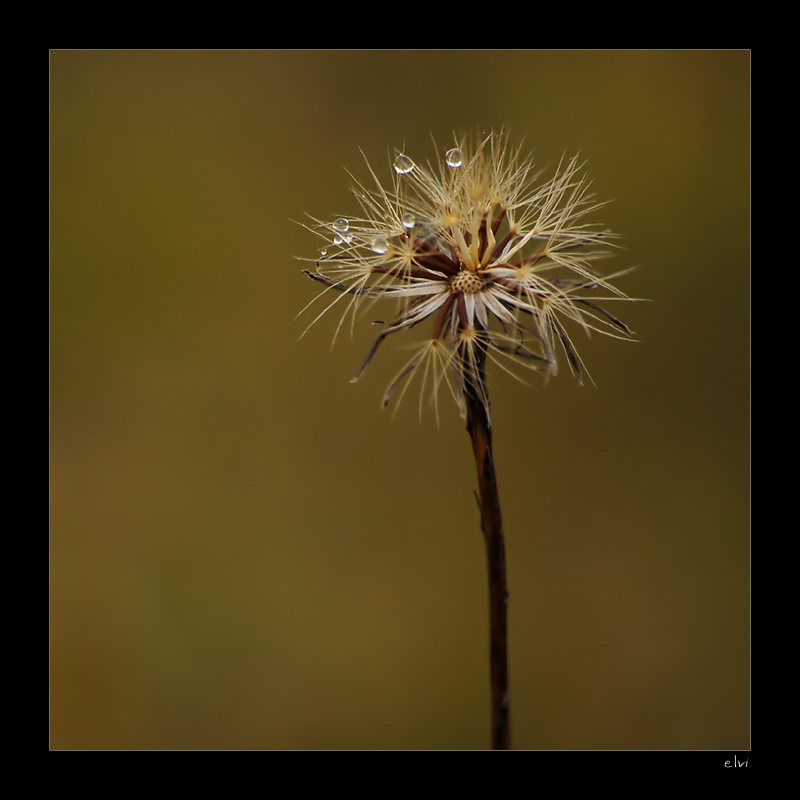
(467, 282)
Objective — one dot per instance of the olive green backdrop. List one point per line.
(247, 552)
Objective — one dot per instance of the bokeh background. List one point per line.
(247, 552)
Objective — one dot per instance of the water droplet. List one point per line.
(403, 164)
(324, 251)
(424, 232)
(454, 158)
(408, 221)
(379, 245)
(341, 225)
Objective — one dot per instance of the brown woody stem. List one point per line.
(491, 523)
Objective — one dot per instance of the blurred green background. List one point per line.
(247, 552)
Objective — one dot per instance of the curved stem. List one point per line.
(491, 523)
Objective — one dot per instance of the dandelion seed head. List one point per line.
(497, 263)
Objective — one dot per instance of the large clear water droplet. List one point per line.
(379, 245)
(341, 225)
(408, 221)
(454, 158)
(403, 164)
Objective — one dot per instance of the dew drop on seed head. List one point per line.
(379, 245)
(403, 164)
(341, 225)
(454, 158)
(408, 221)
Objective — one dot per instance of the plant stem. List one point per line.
(491, 523)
